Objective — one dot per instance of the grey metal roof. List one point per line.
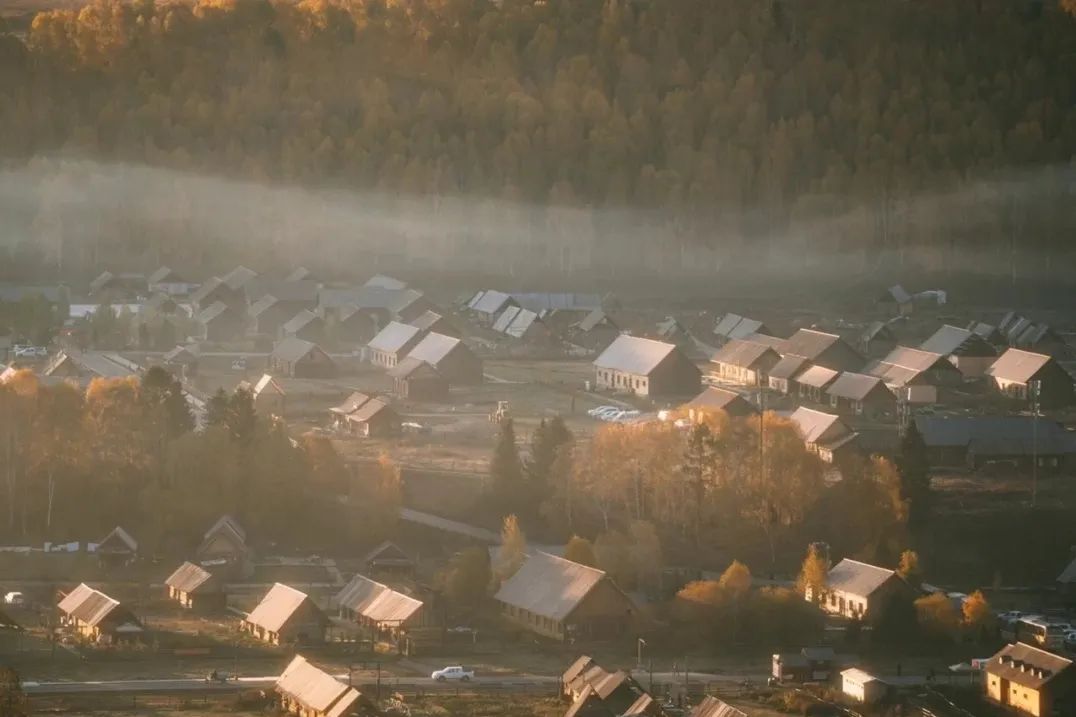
(211, 313)
(369, 410)
(300, 321)
(208, 287)
(376, 602)
(1068, 575)
(720, 399)
(351, 404)
(394, 337)
(238, 277)
(475, 298)
(875, 330)
(1018, 365)
(856, 578)
(492, 302)
(363, 297)
(544, 301)
(897, 294)
(595, 318)
(262, 305)
(746, 354)
(904, 364)
(180, 354)
(314, 688)
(634, 355)
(118, 540)
(381, 281)
(434, 347)
(299, 291)
(953, 340)
(426, 320)
(997, 435)
(817, 377)
(292, 348)
(409, 366)
(522, 322)
(226, 524)
(726, 324)
(504, 319)
(788, 367)
(818, 427)
(809, 343)
(854, 386)
(549, 586)
(189, 577)
(277, 607)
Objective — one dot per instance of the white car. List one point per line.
(600, 410)
(14, 598)
(32, 352)
(455, 672)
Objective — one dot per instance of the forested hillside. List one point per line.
(917, 128)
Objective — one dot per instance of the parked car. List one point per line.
(239, 364)
(1010, 616)
(31, 352)
(14, 598)
(453, 673)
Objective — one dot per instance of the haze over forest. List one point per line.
(613, 138)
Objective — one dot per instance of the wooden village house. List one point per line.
(382, 611)
(914, 375)
(296, 358)
(646, 368)
(374, 419)
(268, 395)
(824, 434)
(859, 394)
(225, 545)
(559, 599)
(305, 325)
(393, 343)
(98, 617)
(195, 588)
(117, 548)
(286, 616)
(451, 357)
(968, 351)
(416, 380)
(714, 399)
(338, 414)
(822, 349)
(1018, 373)
(309, 691)
(744, 362)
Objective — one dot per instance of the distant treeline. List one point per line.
(919, 131)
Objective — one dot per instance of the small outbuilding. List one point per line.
(1019, 374)
(452, 358)
(859, 394)
(308, 691)
(862, 687)
(287, 616)
(98, 617)
(416, 380)
(646, 367)
(374, 419)
(718, 399)
(297, 358)
(117, 548)
(195, 588)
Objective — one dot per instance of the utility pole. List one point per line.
(640, 643)
(1034, 387)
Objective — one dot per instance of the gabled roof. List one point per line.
(351, 404)
(809, 343)
(1018, 365)
(277, 607)
(189, 577)
(817, 377)
(670, 327)
(238, 277)
(743, 353)
(577, 668)
(394, 337)
(226, 524)
(119, 540)
(1027, 666)
(492, 302)
(101, 280)
(594, 319)
(877, 330)
(546, 301)
(904, 364)
(292, 349)
(713, 707)
(953, 340)
(1068, 575)
(426, 320)
(267, 383)
(410, 366)
(381, 281)
(292, 292)
(713, 398)
(734, 326)
(818, 427)
(91, 606)
(377, 602)
(788, 367)
(856, 578)
(475, 298)
(854, 386)
(163, 275)
(433, 348)
(369, 410)
(986, 331)
(388, 553)
(363, 297)
(316, 689)
(549, 586)
(997, 435)
(61, 361)
(299, 273)
(896, 294)
(522, 322)
(208, 287)
(262, 305)
(300, 321)
(212, 312)
(404, 299)
(504, 319)
(180, 354)
(634, 355)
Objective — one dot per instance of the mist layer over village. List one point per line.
(537, 358)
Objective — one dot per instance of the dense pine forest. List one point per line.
(581, 135)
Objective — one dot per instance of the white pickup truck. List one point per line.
(455, 672)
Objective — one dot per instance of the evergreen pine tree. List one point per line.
(216, 409)
(914, 470)
(506, 472)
